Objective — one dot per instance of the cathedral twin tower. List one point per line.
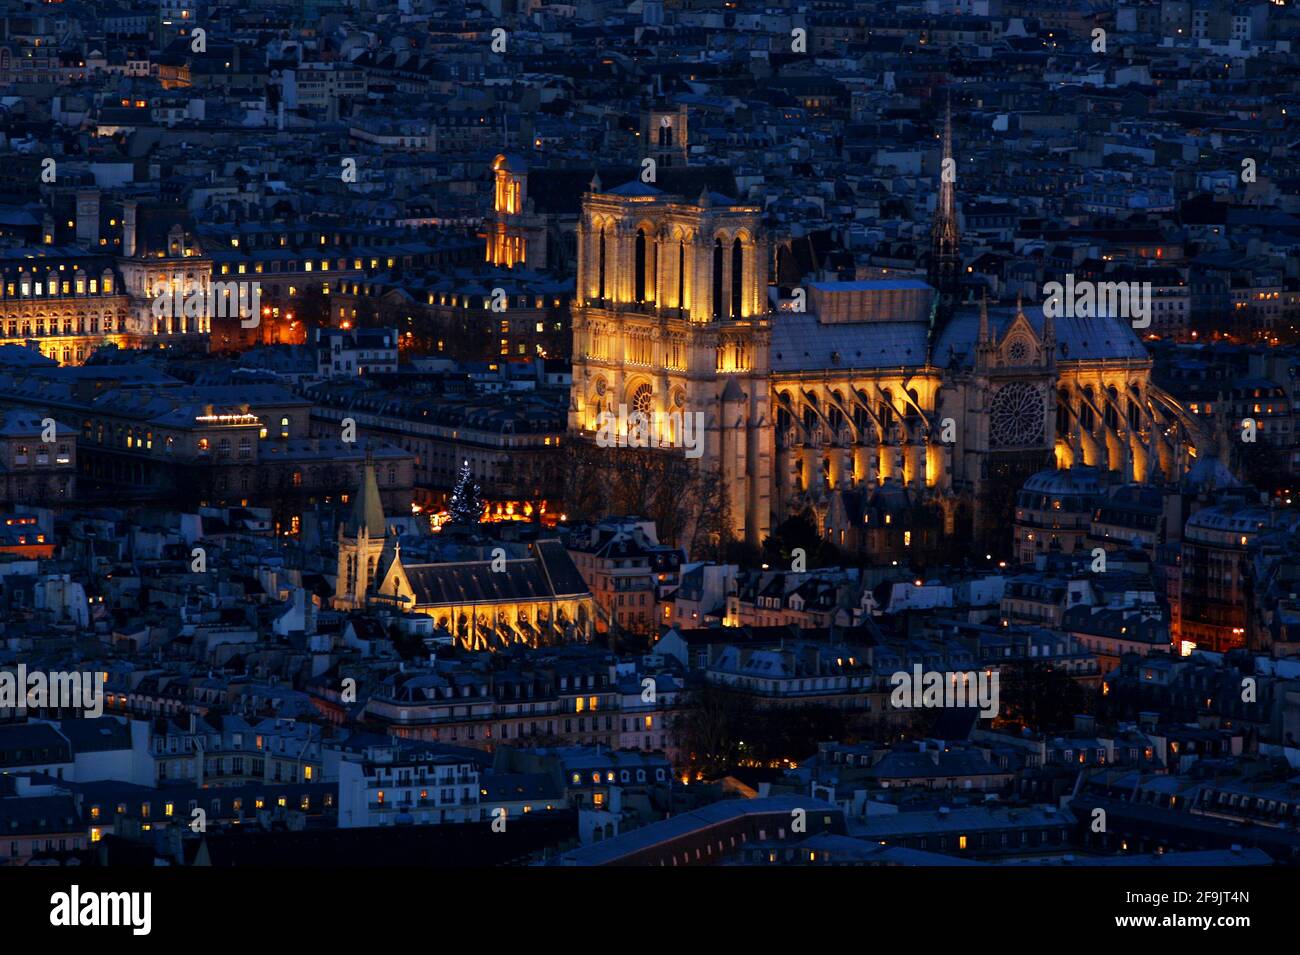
(670, 319)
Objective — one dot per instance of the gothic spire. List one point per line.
(944, 267)
(368, 508)
(945, 222)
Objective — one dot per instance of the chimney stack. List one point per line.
(88, 217)
(128, 227)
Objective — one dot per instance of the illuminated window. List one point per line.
(961, 842)
(306, 773)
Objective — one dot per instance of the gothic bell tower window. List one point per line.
(643, 399)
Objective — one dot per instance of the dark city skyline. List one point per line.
(799, 434)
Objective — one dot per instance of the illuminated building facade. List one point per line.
(538, 600)
(62, 302)
(671, 318)
(852, 387)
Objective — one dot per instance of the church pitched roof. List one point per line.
(801, 343)
(549, 574)
(1077, 339)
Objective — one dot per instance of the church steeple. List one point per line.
(944, 271)
(945, 223)
(368, 508)
(361, 541)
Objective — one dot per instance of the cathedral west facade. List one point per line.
(820, 400)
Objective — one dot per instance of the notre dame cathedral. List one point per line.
(826, 397)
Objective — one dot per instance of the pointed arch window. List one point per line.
(1062, 412)
(1086, 418)
(640, 265)
(602, 263)
(737, 277)
(717, 278)
(681, 273)
(1110, 412)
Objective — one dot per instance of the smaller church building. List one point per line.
(539, 600)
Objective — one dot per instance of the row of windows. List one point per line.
(49, 846)
(304, 802)
(80, 326)
(624, 776)
(307, 266)
(55, 287)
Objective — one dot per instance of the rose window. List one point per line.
(1016, 416)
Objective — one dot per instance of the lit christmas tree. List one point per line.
(465, 506)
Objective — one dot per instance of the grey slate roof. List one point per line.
(1077, 339)
(801, 343)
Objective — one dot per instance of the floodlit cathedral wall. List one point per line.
(672, 315)
(671, 319)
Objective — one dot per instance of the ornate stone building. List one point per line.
(852, 386)
(671, 318)
(62, 302)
